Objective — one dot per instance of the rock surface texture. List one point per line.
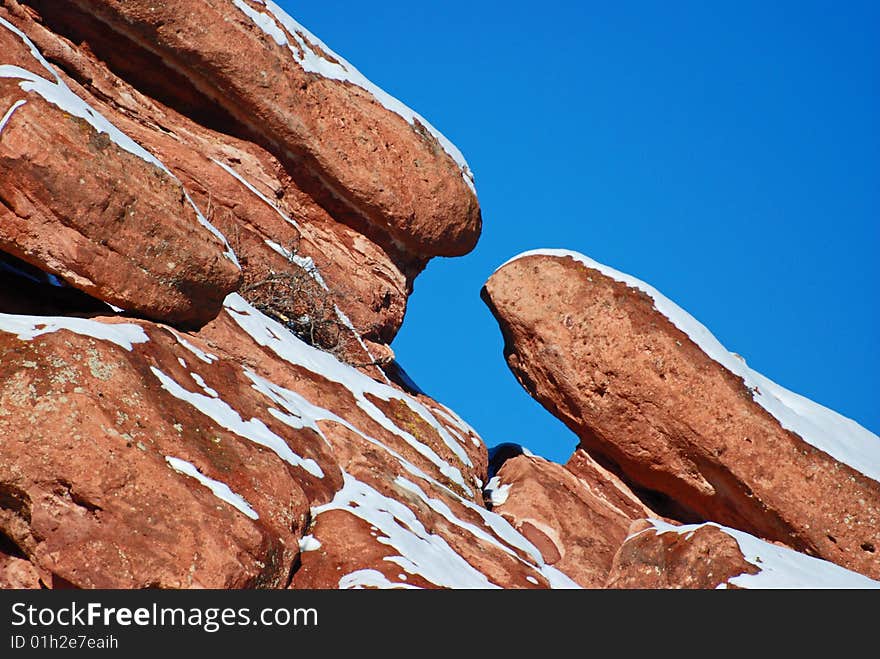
(686, 424)
(209, 227)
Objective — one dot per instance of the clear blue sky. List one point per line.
(726, 153)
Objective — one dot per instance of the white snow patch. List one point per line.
(371, 579)
(309, 543)
(269, 333)
(301, 413)
(253, 430)
(497, 492)
(780, 567)
(201, 382)
(205, 357)
(220, 490)
(418, 551)
(59, 94)
(280, 26)
(840, 437)
(507, 536)
(29, 327)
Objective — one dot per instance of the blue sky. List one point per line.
(729, 155)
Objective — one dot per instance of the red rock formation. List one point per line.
(578, 524)
(643, 394)
(191, 440)
(246, 193)
(133, 455)
(343, 139)
(81, 200)
(17, 573)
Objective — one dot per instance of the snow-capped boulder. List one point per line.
(651, 391)
(242, 189)
(249, 68)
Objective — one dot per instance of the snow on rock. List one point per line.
(224, 415)
(57, 92)
(8, 114)
(316, 57)
(416, 550)
(125, 335)
(309, 543)
(650, 391)
(833, 433)
(495, 492)
(271, 334)
(360, 579)
(220, 490)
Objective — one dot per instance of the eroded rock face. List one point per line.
(250, 68)
(574, 522)
(134, 455)
(245, 192)
(678, 415)
(84, 202)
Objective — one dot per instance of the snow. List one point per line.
(205, 357)
(309, 543)
(371, 579)
(269, 333)
(220, 490)
(125, 335)
(301, 413)
(225, 416)
(307, 264)
(497, 492)
(507, 536)
(454, 419)
(307, 52)
(201, 382)
(418, 551)
(780, 567)
(9, 113)
(840, 437)
(59, 94)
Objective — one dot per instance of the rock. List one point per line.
(17, 573)
(135, 455)
(706, 558)
(272, 224)
(250, 70)
(607, 485)
(572, 521)
(679, 417)
(83, 202)
(659, 555)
